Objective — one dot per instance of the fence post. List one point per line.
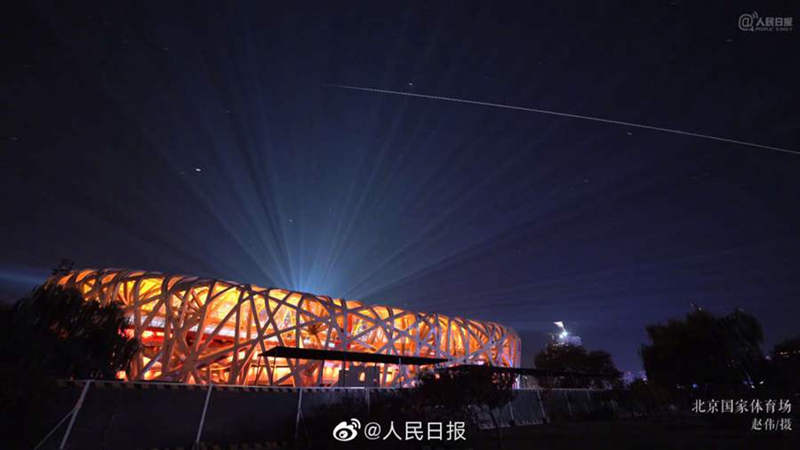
(203, 416)
(569, 407)
(588, 402)
(299, 412)
(75, 414)
(541, 405)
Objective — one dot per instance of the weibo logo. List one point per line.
(346, 430)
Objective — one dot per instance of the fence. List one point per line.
(118, 415)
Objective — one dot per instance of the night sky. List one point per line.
(207, 140)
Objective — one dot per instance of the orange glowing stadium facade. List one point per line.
(200, 330)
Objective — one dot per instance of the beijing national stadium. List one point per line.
(199, 331)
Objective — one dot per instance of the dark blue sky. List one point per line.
(204, 140)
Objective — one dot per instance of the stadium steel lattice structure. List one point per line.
(201, 330)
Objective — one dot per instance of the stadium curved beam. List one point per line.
(201, 330)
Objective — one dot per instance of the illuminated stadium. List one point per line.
(199, 330)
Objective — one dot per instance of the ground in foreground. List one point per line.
(648, 434)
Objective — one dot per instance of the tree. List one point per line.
(55, 333)
(575, 358)
(456, 391)
(784, 365)
(65, 336)
(703, 350)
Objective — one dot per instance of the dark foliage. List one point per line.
(704, 351)
(460, 388)
(465, 391)
(783, 370)
(574, 358)
(54, 333)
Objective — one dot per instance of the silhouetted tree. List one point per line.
(575, 358)
(704, 350)
(784, 366)
(455, 391)
(65, 336)
(54, 333)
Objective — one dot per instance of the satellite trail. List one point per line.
(563, 114)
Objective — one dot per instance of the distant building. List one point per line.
(570, 340)
(563, 337)
(629, 376)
